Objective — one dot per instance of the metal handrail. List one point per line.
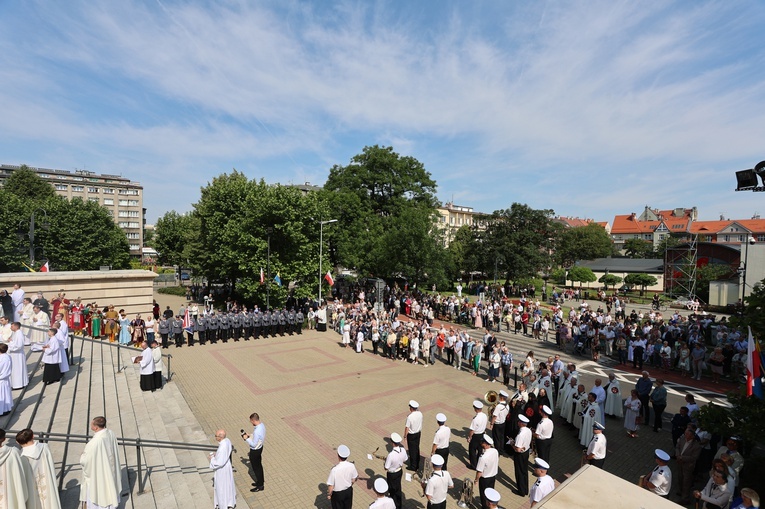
(43, 436)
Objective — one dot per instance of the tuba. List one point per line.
(466, 494)
(491, 398)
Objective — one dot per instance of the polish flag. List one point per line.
(329, 279)
(45, 268)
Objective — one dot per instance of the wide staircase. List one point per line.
(169, 469)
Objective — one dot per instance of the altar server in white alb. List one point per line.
(63, 339)
(51, 358)
(146, 360)
(101, 470)
(39, 471)
(19, 376)
(6, 398)
(41, 322)
(223, 473)
(614, 401)
(13, 485)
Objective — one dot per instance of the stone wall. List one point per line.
(132, 290)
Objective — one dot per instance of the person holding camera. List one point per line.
(256, 441)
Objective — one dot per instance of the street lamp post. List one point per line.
(749, 240)
(321, 245)
(269, 231)
(31, 233)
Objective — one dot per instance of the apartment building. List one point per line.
(121, 197)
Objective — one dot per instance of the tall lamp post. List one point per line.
(749, 240)
(321, 245)
(269, 231)
(45, 225)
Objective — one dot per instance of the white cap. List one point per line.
(437, 460)
(492, 495)
(413, 404)
(395, 437)
(523, 418)
(381, 485)
(343, 451)
(504, 394)
(539, 462)
(546, 409)
(441, 417)
(487, 438)
(477, 404)
(663, 456)
(597, 425)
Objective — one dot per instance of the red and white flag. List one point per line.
(262, 276)
(329, 279)
(45, 268)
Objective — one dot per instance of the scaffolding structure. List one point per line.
(680, 265)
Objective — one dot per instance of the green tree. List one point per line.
(177, 238)
(610, 280)
(558, 276)
(462, 251)
(517, 241)
(753, 314)
(638, 248)
(667, 242)
(641, 280)
(581, 275)
(27, 185)
(583, 243)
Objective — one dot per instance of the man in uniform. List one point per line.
(438, 484)
(341, 479)
(544, 434)
(190, 330)
(487, 468)
(381, 502)
(492, 498)
(177, 329)
(475, 437)
(394, 468)
(299, 319)
(291, 321)
(659, 480)
(212, 328)
(441, 439)
(521, 445)
(164, 331)
(265, 330)
(224, 326)
(247, 324)
(498, 419)
(544, 484)
(275, 322)
(596, 451)
(257, 321)
(236, 326)
(202, 329)
(412, 433)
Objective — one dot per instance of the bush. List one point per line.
(180, 291)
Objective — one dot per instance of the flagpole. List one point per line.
(321, 245)
(269, 230)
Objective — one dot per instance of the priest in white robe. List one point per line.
(614, 403)
(223, 473)
(13, 485)
(41, 321)
(590, 415)
(146, 360)
(19, 376)
(101, 471)
(5, 329)
(63, 339)
(26, 320)
(17, 297)
(6, 398)
(39, 472)
(51, 358)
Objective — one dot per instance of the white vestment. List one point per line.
(614, 401)
(101, 471)
(26, 319)
(51, 354)
(63, 339)
(18, 303)
(591, 414)
(19, 376)
(547, 383)
(41, 477)
(6, 332)
(13, 486)
(41, 321)
(223, 476)
(6, 398)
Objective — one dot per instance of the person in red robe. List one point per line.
(76, 317)
(60, 304)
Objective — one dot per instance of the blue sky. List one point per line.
(589, 108)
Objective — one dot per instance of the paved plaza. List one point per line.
(313, 395)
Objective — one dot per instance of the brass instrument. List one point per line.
(491, 398)
(466, 494)
(427, 472)
(378, 456)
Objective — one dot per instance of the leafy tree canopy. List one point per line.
(638, 248)
(641, 280)
(581, 274)
(583, 243)
(27, 185)
(610, 280)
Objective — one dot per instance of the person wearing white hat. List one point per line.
(487, 469)
(544, 434)
(412, 434)
(499, 418)
(596, 450)
(544, 484)
(659, 480)
(441, 439)
(475, 437)
(341, 479)
(492, 498)
(438, 485)
(382, 501)
(394, 465)
(521, 445)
